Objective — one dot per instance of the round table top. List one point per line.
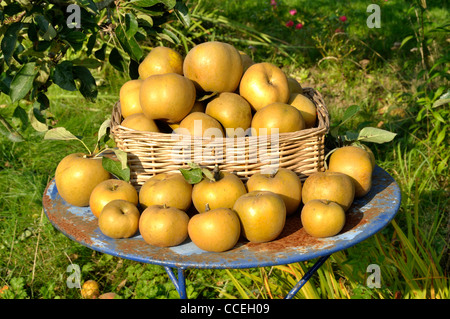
(365, 217)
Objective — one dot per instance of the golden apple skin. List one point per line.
(216, 230)
(163, 226)
(214, 67)
(331, 186)
(119, 219)
(322, 218)
(140, 122)
(77, 175)
(232, 111)
(161, 60)
(356, 163)
(200, 124)
(277, 118)
(294, 86)
(109, 190)
(222, 193)
(262, 215)
(264, 83)
(129, 98)
(167, 97)
(284, 182)
(306, 107)
(90, 290)
(170, 189)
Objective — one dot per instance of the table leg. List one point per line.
(306, 277)
(180, 282)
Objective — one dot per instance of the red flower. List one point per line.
(299, 26)
(343, 18)
(290, 23)
(292, 12)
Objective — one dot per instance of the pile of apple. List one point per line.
(226, 208)
(217, 85)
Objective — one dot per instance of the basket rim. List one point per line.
(322, 127)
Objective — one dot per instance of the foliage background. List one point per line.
(397, 76)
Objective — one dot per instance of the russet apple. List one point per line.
(119, 219)
(331, 186)
(109, 190)
(232, 111)
(322, 218)
(200, 124)
(163, 226)
(294, 86)
(129, 98)
(222, 192)
(170, 189)
(277, 118)
(264, 83)
(77, 175)
(214, 67)
(306, 107)
(140, 122)
(161, 60)
(247, 61)
(215, 230)
(283, 182)
(262, 215)
(355, 162)
(168, 97)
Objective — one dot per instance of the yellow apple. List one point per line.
(219, 193)
(140, 122)
(109, 190)
(119, 219)
(322, 218)
(77, 175)
(232, 111)
(129, 98)
(283, 182)
(161, 60)
(170, 189)
(214, 67)
(262, 215)
(216, 230)
(168, 97)
(90, 289)
(331, 186)
(200, 124)
(294, 86)
(306, 107)
(247, 61)
(264, 83)
(163, 226)
(277, 118)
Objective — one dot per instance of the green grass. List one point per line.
(358, 67)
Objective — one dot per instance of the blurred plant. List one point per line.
(42, 46)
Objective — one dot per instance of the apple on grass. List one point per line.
(119, 219)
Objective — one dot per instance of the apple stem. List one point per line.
(207, 208)
(216, 173)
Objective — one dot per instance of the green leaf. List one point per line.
(129, 44)
(122, 157)
(115, 168)
(192, 175)
(35, 122)
(9, 41)
(59, 134)
(22, 82)
(103, 130)
(375, 135)
(88, 87)
(63, 76)
(47, 30)
(131, 25)
(116, 60)
(182, 13)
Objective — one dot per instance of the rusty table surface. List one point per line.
(366, 216)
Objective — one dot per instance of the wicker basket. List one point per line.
(152, 153)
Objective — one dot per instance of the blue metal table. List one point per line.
(367, 216)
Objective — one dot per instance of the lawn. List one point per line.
(397, 75)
